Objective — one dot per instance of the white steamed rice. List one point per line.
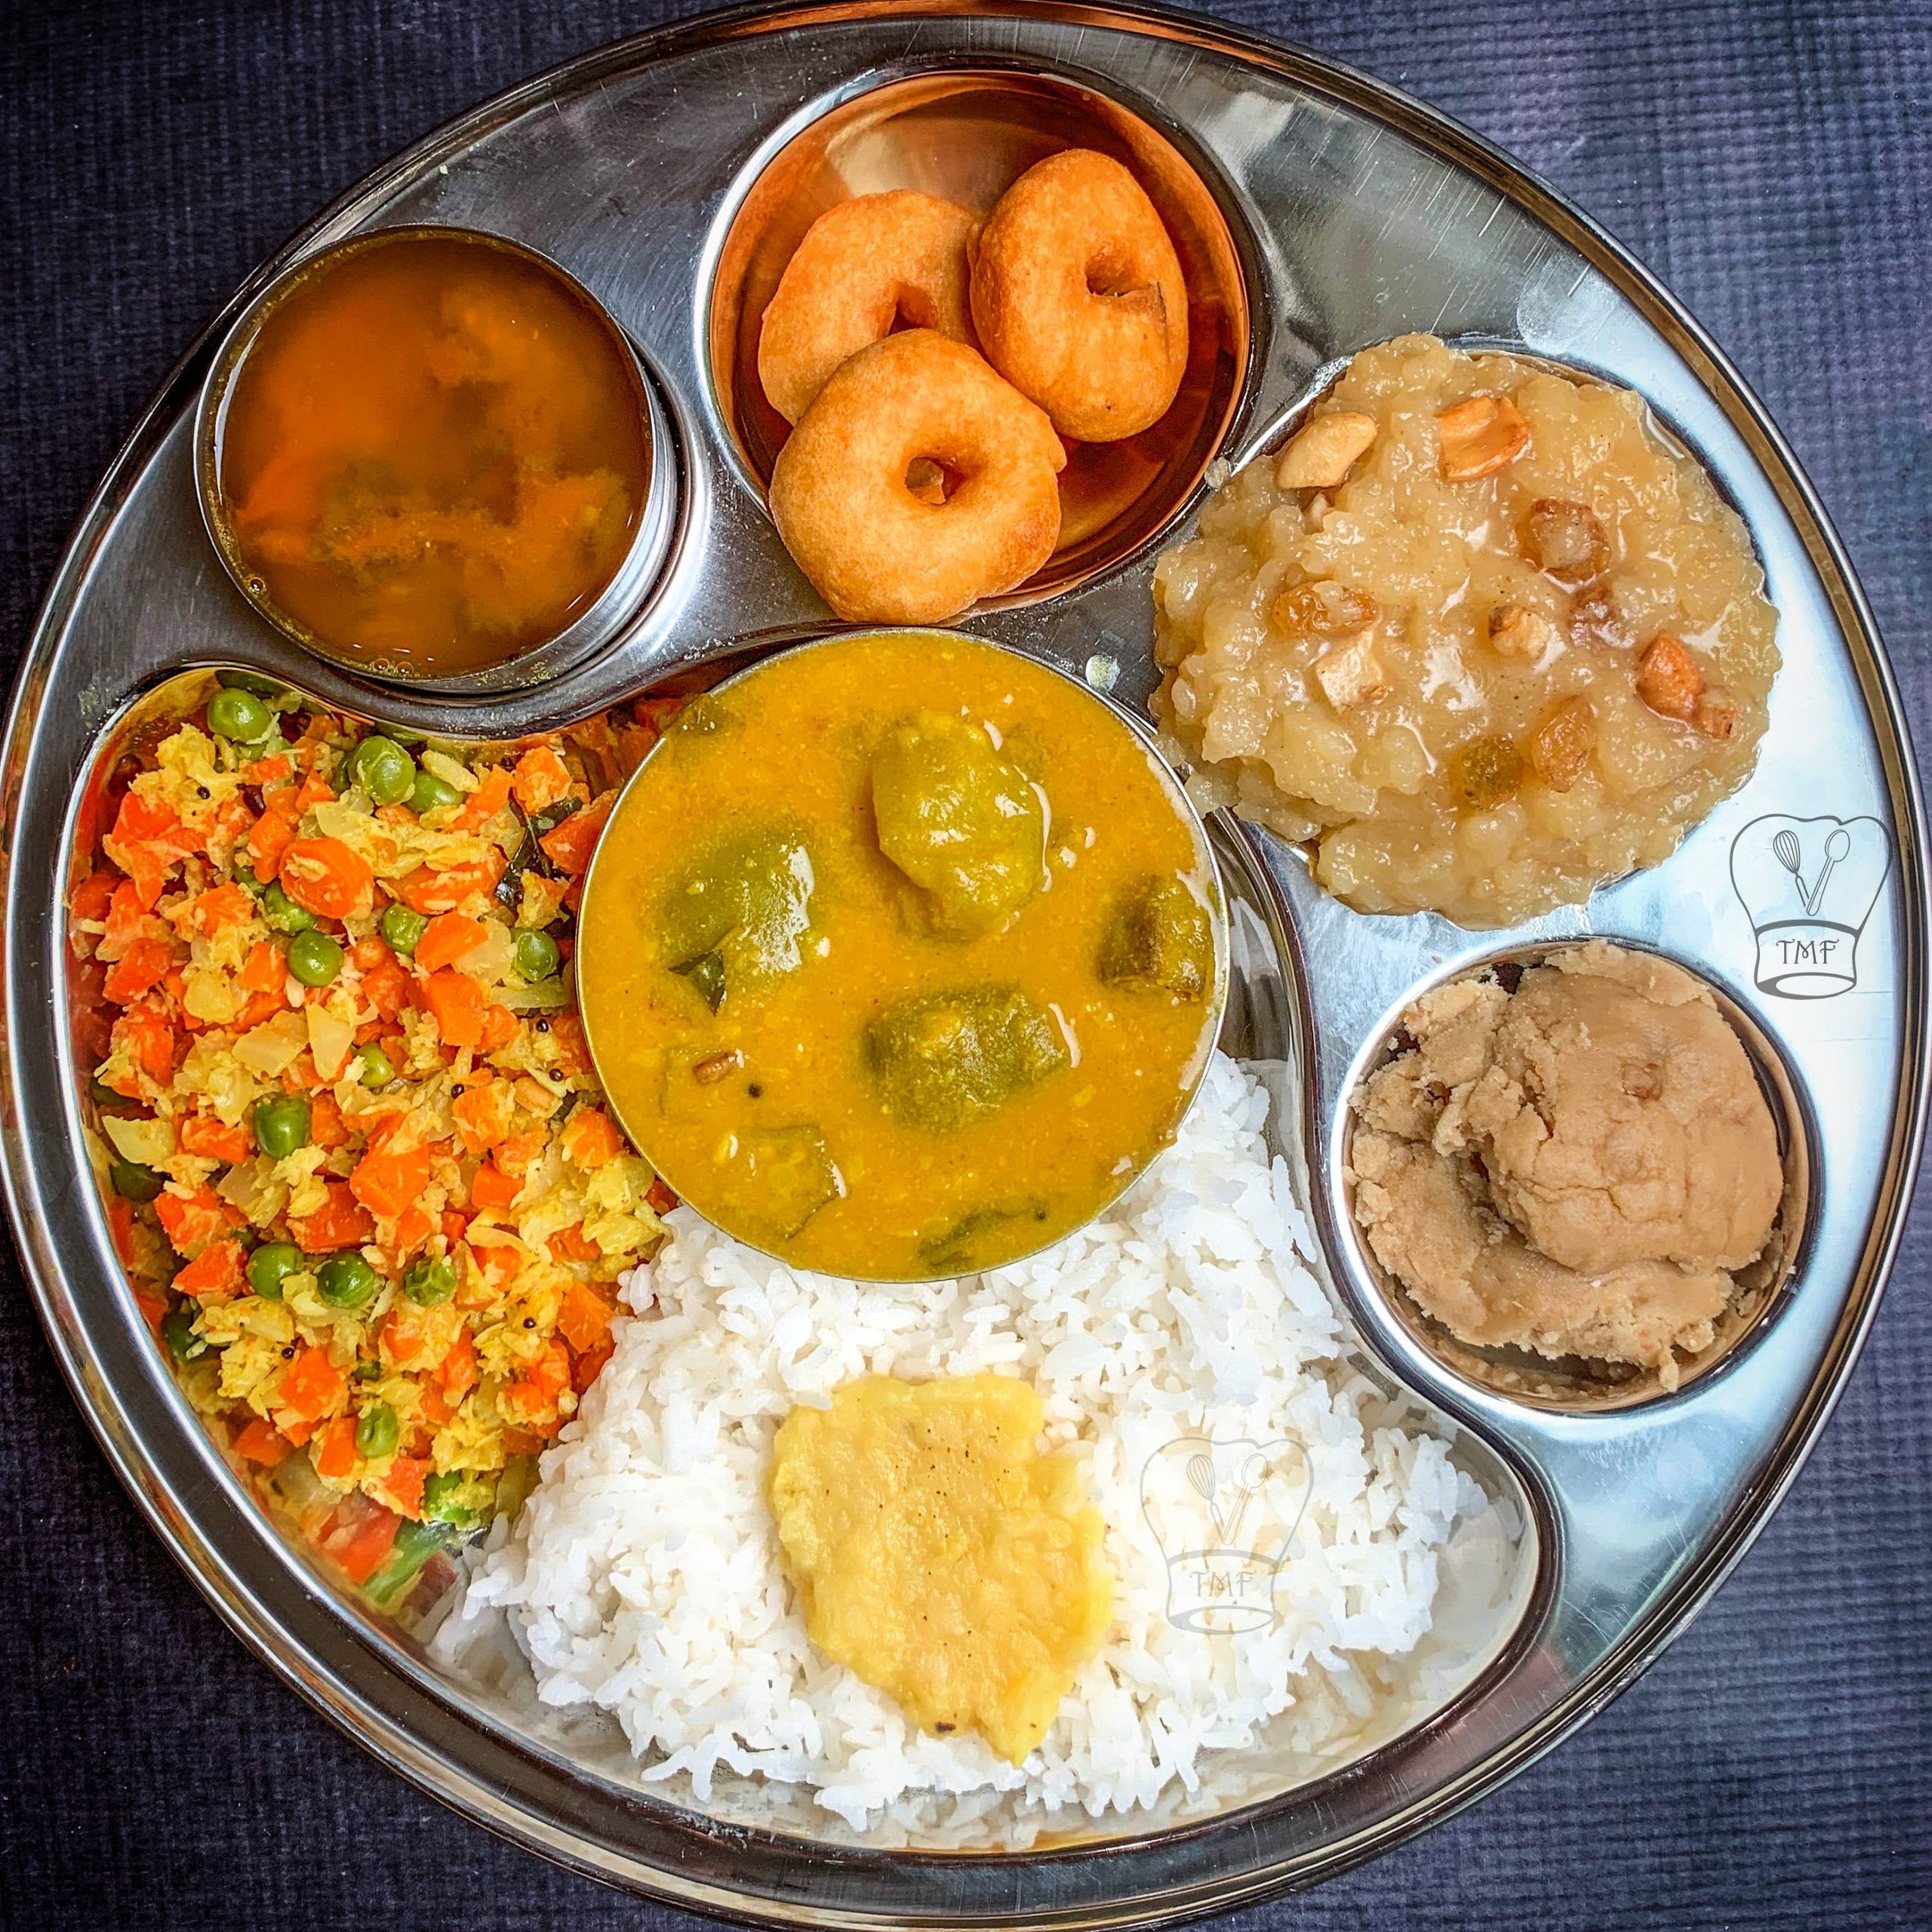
(643, 1577)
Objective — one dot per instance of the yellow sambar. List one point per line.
(862, 1071)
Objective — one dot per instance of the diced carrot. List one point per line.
(151, 1039)
(500, 1027)
(657, 712)
(190, 1221)
(325, 1125)
(260, 1006)
(493, 1191)
(584, 1366)
(456, 1371)
(571, 845)
(413, 1228)
(261, 1441)
(325, 877)
(341, 1223)
(401, 1482)
(140, 971)
(312, 791)
(446, 939)
(572, 1243)
(297, 1432)
(491, 795)
(214, 1140)
(269, 770)
(269, 836)
(584, 1319)
(128, 921)
(541, 779)
(334, 1453)
(567, 1043)
(388, 988)
(589, 1140)
(531, 1399)
(388, 1183)
(431, 893)
(361, 1554)
(311, 1385)
(121, 1226)
(436, 1409)
(369, 953)
(457, 1003)
(482, 1115)
(216, 1270)
(455, 1224)
(499, 1265)
(90, 899)
(220, 906)
(514, 1155)
(265, 972)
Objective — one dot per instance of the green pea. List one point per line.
(429, 1282)
(367, 1371)
(431, 794)
(378, 1431)
(283, 914)
(383, 769)
(537, 955)
(314, 958)
(281, 1125)
(133, 1181)
(402, 928)
(271, 1264)
(377, 1069)
(239, 715)
(177, 1331)
(245, 877)
(346, 1281)
(440, 1495)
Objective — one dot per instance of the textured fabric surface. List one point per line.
(1770, 162)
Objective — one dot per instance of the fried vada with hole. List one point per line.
(1078, 298)
(863, 267)
(852, 490)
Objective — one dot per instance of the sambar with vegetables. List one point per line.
(902, 955)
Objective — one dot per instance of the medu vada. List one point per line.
(1079, 297)
(873, 542)
(863, 267)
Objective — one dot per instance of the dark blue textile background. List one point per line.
(1771, 162)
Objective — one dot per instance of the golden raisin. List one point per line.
(1517, 633)
(1565, 541)
(1667, 679)
(1485, 772)
(1561, 745)
(1716, 714)
(1323, 609)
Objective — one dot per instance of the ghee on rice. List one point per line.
(643, 1577)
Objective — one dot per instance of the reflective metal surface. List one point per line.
(1356, 214)
(594, 627)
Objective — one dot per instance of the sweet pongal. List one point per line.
(1479, 634)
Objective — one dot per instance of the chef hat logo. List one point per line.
(1809, 885)
(1224, 1513)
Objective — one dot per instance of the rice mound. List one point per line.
(643, 1577)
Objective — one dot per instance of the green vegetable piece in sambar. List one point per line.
(965, 825)
(738, 917)
(778, 1178)
(1160, 939)
(942, 1060)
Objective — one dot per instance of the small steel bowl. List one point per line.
(1213, 1011)
(593, 629)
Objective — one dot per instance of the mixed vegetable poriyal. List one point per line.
(358, 1165)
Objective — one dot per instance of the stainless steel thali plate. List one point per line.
(1351, 214)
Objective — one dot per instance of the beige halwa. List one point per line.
(1579, 1168)
(1479, 633)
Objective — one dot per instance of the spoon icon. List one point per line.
(1837, 847)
